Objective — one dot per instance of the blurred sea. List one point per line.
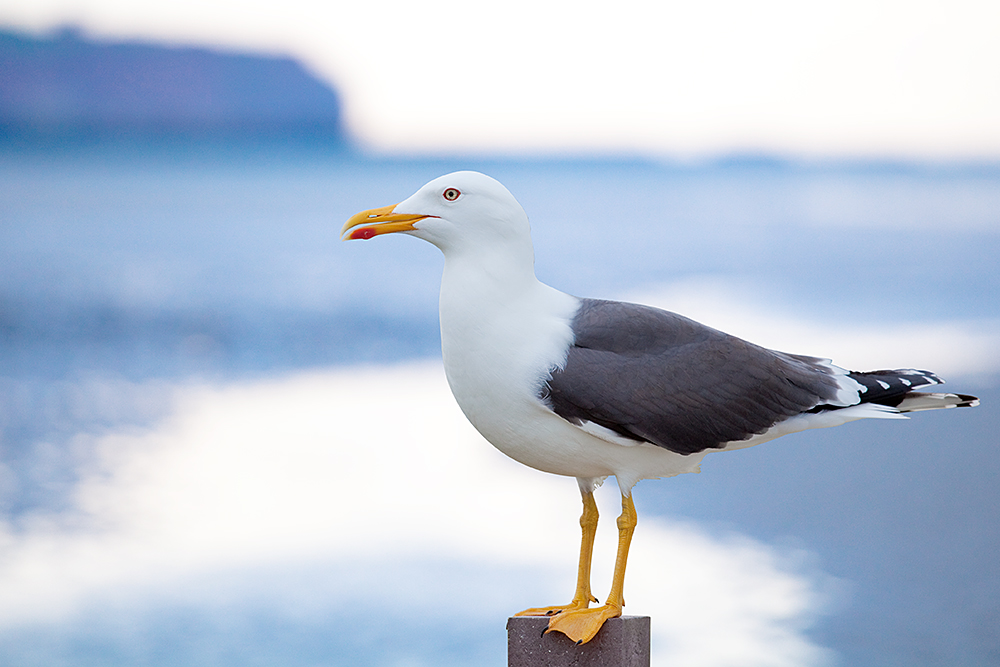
(123, 270)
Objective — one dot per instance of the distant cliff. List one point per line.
(67, 86)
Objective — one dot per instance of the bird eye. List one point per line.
(451, 194)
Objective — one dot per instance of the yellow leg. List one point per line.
(583, 597)
(581, 625)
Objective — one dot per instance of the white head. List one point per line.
(463, 213)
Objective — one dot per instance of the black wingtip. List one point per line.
(968, 401)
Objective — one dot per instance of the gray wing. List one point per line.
(657, 377)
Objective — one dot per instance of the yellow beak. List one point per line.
(379, 221)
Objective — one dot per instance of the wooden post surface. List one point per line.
(622, 642)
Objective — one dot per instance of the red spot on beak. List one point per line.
(364, 233)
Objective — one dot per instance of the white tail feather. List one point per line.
(917, 401)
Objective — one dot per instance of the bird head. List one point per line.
(459, 212)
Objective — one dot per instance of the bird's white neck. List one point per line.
(494, 276)
(487, 291)
(498, 321)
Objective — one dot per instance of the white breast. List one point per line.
(499, 346)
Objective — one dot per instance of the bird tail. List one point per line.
(915, 401)
(894, 388)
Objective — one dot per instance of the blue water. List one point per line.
(123, 267)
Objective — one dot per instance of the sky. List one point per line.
(857, 78)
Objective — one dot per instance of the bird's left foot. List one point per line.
(581, 625)
(552, 611)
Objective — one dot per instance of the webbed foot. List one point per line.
(581, 625)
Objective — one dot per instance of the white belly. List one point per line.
(497, 360)
(537, 437)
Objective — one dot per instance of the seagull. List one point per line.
(591, 388)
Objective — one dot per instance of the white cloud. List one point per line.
(377, 470)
